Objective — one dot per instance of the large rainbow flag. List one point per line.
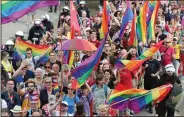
(105, 21)
(15, 9)
(134, 64)
(137, 99)
(37, 50)
(151, 26)
(141, 23)
(82, 72)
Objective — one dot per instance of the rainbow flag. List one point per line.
(82, 72)
(151, 26)
(150, 51)
(128, 16)
(104, 28)
(151, 6)
(137, 99)
(133, 40)
(157, 94)
(141, 23)
(37, 50)
(133, 64)
(13, 9)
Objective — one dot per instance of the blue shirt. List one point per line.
(71, 103)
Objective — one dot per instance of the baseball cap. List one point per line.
(65, 103)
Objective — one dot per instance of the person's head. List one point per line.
(37, 23)
(53, 75)
(170, 70)
(48, 82)
(175, 40)
(36, 114)
(99, 79)
(113, 47)
(51, 100)
(80, 109)
(158, 28)
(103, 110)
(70, 89)
(134, 51)
(84, 89)
(47, 66)
(52, 56)
(29, 52)
(55, 67)
(33, 104)
(93, 34)
(10, 84)
(65, 9)
(152, 43)
(17, 111)
(98, 20)
(42, 42)
(38, 73)
(4, 112)
(82, 3)
(83, 14)
(167, 42)
(105, 66)
(64, 106)
(108, 74)
(5, 56)
(30, 85)
(66, 68)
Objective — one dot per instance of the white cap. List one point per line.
(9, 42)
(169, 68)
(37, 22)
(46, 16)
(64, 102)
(66, 7)
(19, 33)
(82, 2)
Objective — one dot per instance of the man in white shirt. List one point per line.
(3, 104)
(64, 109)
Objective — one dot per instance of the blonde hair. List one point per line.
(47, 78)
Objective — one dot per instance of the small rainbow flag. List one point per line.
(14, 9)
(37, 50)
(105, 21)
(141, 23)
(137, 99)
(151, 26)
(82, 72)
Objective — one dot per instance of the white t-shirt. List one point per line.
(67, 114)
(3, 104)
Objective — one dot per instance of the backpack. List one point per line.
(104, 86)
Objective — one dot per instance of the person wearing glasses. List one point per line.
(167, 52)
(71, 99)
(63, 111)
(10, 95)
(44, 94)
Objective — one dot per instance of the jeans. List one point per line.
(176, 64)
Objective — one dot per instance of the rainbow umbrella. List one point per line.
(78, 45)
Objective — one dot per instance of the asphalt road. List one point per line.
(9, 30)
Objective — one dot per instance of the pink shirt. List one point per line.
(167, 57)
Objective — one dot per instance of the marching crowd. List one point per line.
(27, 87)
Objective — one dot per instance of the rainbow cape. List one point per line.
(134, 64)
(82, 72)
(137, 99)
(151, 26)
(37, 50)
(13, 9)
(105, 21)
(141, 23)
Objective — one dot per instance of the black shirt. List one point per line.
(57, 62)
(153, 66)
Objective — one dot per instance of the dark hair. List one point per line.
(52, 51)
(99, 77)
(79, 110)
(11, 80)
(29, 49)
(152, 41)
(98, 69)
(46, 63)
(84, 87)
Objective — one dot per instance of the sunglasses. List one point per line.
(168, 42)
(63, 105)
(70, 89)
(30, 86)
(47, 67)
(48, 82)
(174, 40)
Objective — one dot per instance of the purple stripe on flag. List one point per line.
(21, 13)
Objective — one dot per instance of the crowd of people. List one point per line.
(28, 87)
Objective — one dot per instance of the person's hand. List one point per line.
(24, 64)
(146, 65)
(153, 75)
